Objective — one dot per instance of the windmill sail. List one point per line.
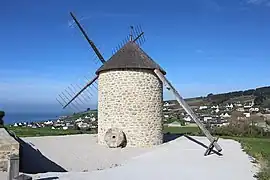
(71, 96)
(91, 43)
(86, 86)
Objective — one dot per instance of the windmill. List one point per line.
(130, 96)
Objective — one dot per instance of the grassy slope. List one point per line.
(181, 130)
(199, 101)
(260, 149)
(30, 132)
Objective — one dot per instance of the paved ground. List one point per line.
(178, 159)
(3, 175)
(78, 153)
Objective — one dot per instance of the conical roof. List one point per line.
(130, 56)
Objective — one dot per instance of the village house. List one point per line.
(174, 124)
(254, 109)
(229, 106)
(220, 124)
(240, 109)
(247, 114)
(166, 116)
(203, 107)
(167, 104)
(207, 118)
(238, 104)
(187, 118)
(83, 125)
(225, 115)
(48, 123)
(249, 104)
(216, 110)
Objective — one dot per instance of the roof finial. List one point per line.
(131, 36)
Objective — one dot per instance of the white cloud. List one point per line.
(259, 2)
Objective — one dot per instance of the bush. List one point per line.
(2, 114)
(240, 130)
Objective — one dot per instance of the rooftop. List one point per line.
(130, 56)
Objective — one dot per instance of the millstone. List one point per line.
(114, 137)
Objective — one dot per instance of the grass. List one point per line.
(46, 131)
(182, 130)
(258, 148)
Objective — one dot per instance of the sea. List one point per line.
(11, 118)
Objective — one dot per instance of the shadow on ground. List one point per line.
(167, 137)
(48, 178)
(170, 137)
(32, 161)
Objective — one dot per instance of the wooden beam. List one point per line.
(186, 107)
(91, 43)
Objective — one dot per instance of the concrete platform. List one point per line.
(182, 158)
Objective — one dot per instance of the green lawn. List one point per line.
(46, 131)
(182, 130)
(260, 149)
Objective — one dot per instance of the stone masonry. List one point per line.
(131, 100)
(8, 146)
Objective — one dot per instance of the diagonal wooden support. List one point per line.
(187, 109)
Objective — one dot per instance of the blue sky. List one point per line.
(206, 46)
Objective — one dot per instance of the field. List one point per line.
(46, 131)
(256, 147)
(182, 130)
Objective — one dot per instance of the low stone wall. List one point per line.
(8, 146)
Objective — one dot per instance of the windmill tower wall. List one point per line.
(131, 100)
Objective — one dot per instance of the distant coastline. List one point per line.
(11, 118)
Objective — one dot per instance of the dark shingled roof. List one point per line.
(130, 56)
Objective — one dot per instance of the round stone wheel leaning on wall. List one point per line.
(131, 100)
(2, 114)
(115, 138)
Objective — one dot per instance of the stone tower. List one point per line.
(130, 97)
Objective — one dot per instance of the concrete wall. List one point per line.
(131, 100)
(8, 146)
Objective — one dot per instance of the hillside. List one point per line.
(261, 97)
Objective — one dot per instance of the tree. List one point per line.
(249, 92)
(235, 115)
(2, 114)
(259, 100)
